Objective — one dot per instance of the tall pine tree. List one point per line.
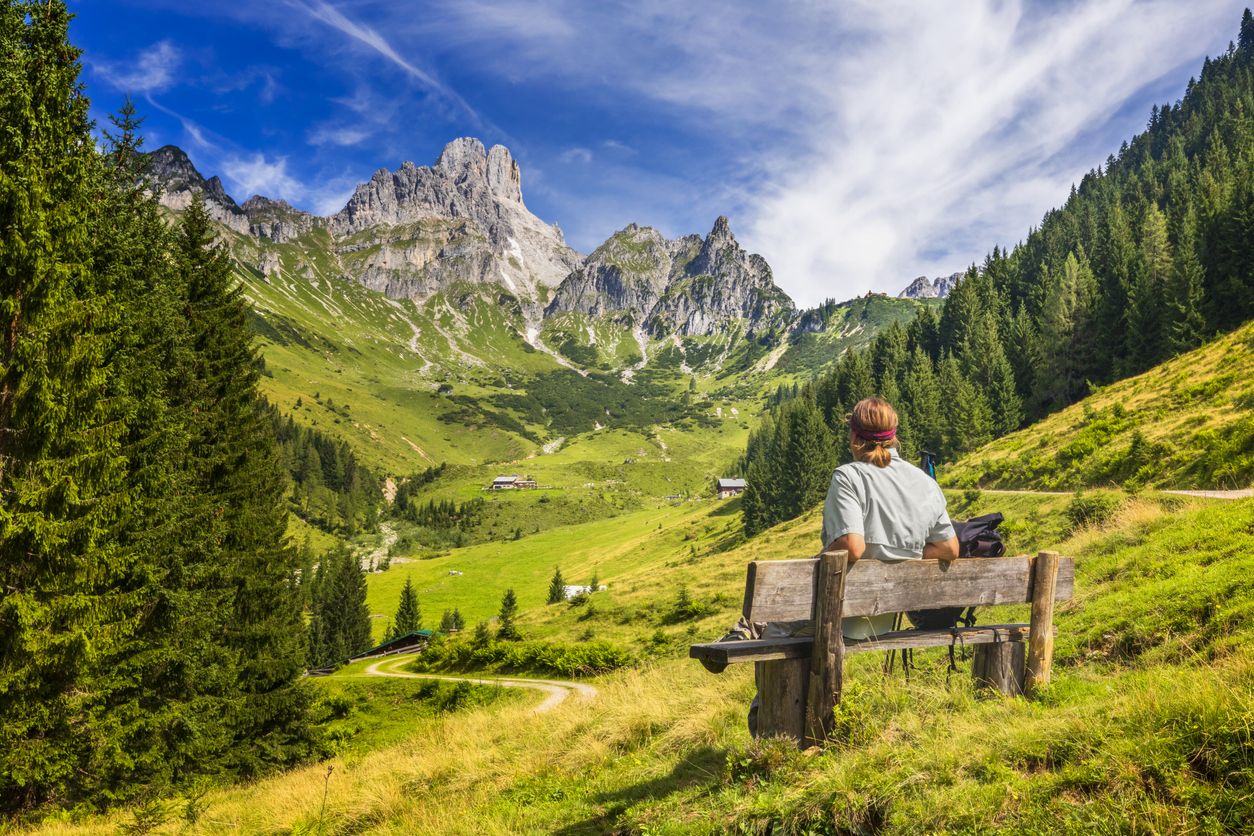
(237, 468)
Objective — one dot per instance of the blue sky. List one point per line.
(854, 144)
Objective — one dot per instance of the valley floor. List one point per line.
(1146, 728)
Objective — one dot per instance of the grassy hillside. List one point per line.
(1145, 729)
(1188, 423)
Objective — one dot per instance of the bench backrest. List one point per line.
(783, 590)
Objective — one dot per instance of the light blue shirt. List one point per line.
(896, 509)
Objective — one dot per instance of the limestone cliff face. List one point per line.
(418, 230)
(626, 276)
(690, 286)
(462, 219)
(277, 221)
(924, 288)
(179, 181)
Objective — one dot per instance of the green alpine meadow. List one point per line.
(382, 503)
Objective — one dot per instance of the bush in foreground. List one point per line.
(552, 658)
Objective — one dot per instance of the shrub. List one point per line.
(566, 660)
(1092, 509)
(686, 608)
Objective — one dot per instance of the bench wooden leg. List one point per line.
(827, 658)
(1041, 632)
(782, 698)
(999, 667)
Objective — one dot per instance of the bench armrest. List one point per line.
(754, 650)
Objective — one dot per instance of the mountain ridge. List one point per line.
(418, 230)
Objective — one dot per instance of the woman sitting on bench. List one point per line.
(881, 507)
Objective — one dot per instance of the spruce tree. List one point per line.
(506, 629)
(1187, 327)
(967, 419)
(921, 402)
(989, 371)
(1114, 255)
(1151, 277)
(408, 614)
(74, 581)
(810, 455)
(1068, 356)
(175, 666)
(557, 587)
(238, 468)
(339, 625)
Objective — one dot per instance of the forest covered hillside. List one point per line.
(1188, 423)
(1149, 257)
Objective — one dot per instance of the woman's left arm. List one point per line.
(851, 542)
(945, 550)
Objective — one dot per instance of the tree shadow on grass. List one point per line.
(701, 767)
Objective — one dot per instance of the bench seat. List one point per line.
(773, 650)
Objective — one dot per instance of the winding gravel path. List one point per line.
(556, 690)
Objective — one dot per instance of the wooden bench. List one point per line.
(799, 679)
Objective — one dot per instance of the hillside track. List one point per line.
(1239, 493)
(556, 690)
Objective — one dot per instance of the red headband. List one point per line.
(866, 435)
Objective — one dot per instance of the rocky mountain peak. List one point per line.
(471, 225)
(277, 220)
(171, 169)
(721, 233)
(465, 161)
(690, 285)
(925, 288)
(460, 156)
(504, 177)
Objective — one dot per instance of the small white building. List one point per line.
(728, 488)
(511, 483)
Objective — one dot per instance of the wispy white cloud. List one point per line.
(153, 70)
(191, 130)
(328, 14)
(338, 135)
(247, 174)
(255, 174)
(869, 141)
(576, 155)
(950, 128)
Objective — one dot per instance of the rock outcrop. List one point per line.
(278, 221)
(689, 286)
(924, 288)
(626, 276)
(179, 181)
(461, 219)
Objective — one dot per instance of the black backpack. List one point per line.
(977, 537)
